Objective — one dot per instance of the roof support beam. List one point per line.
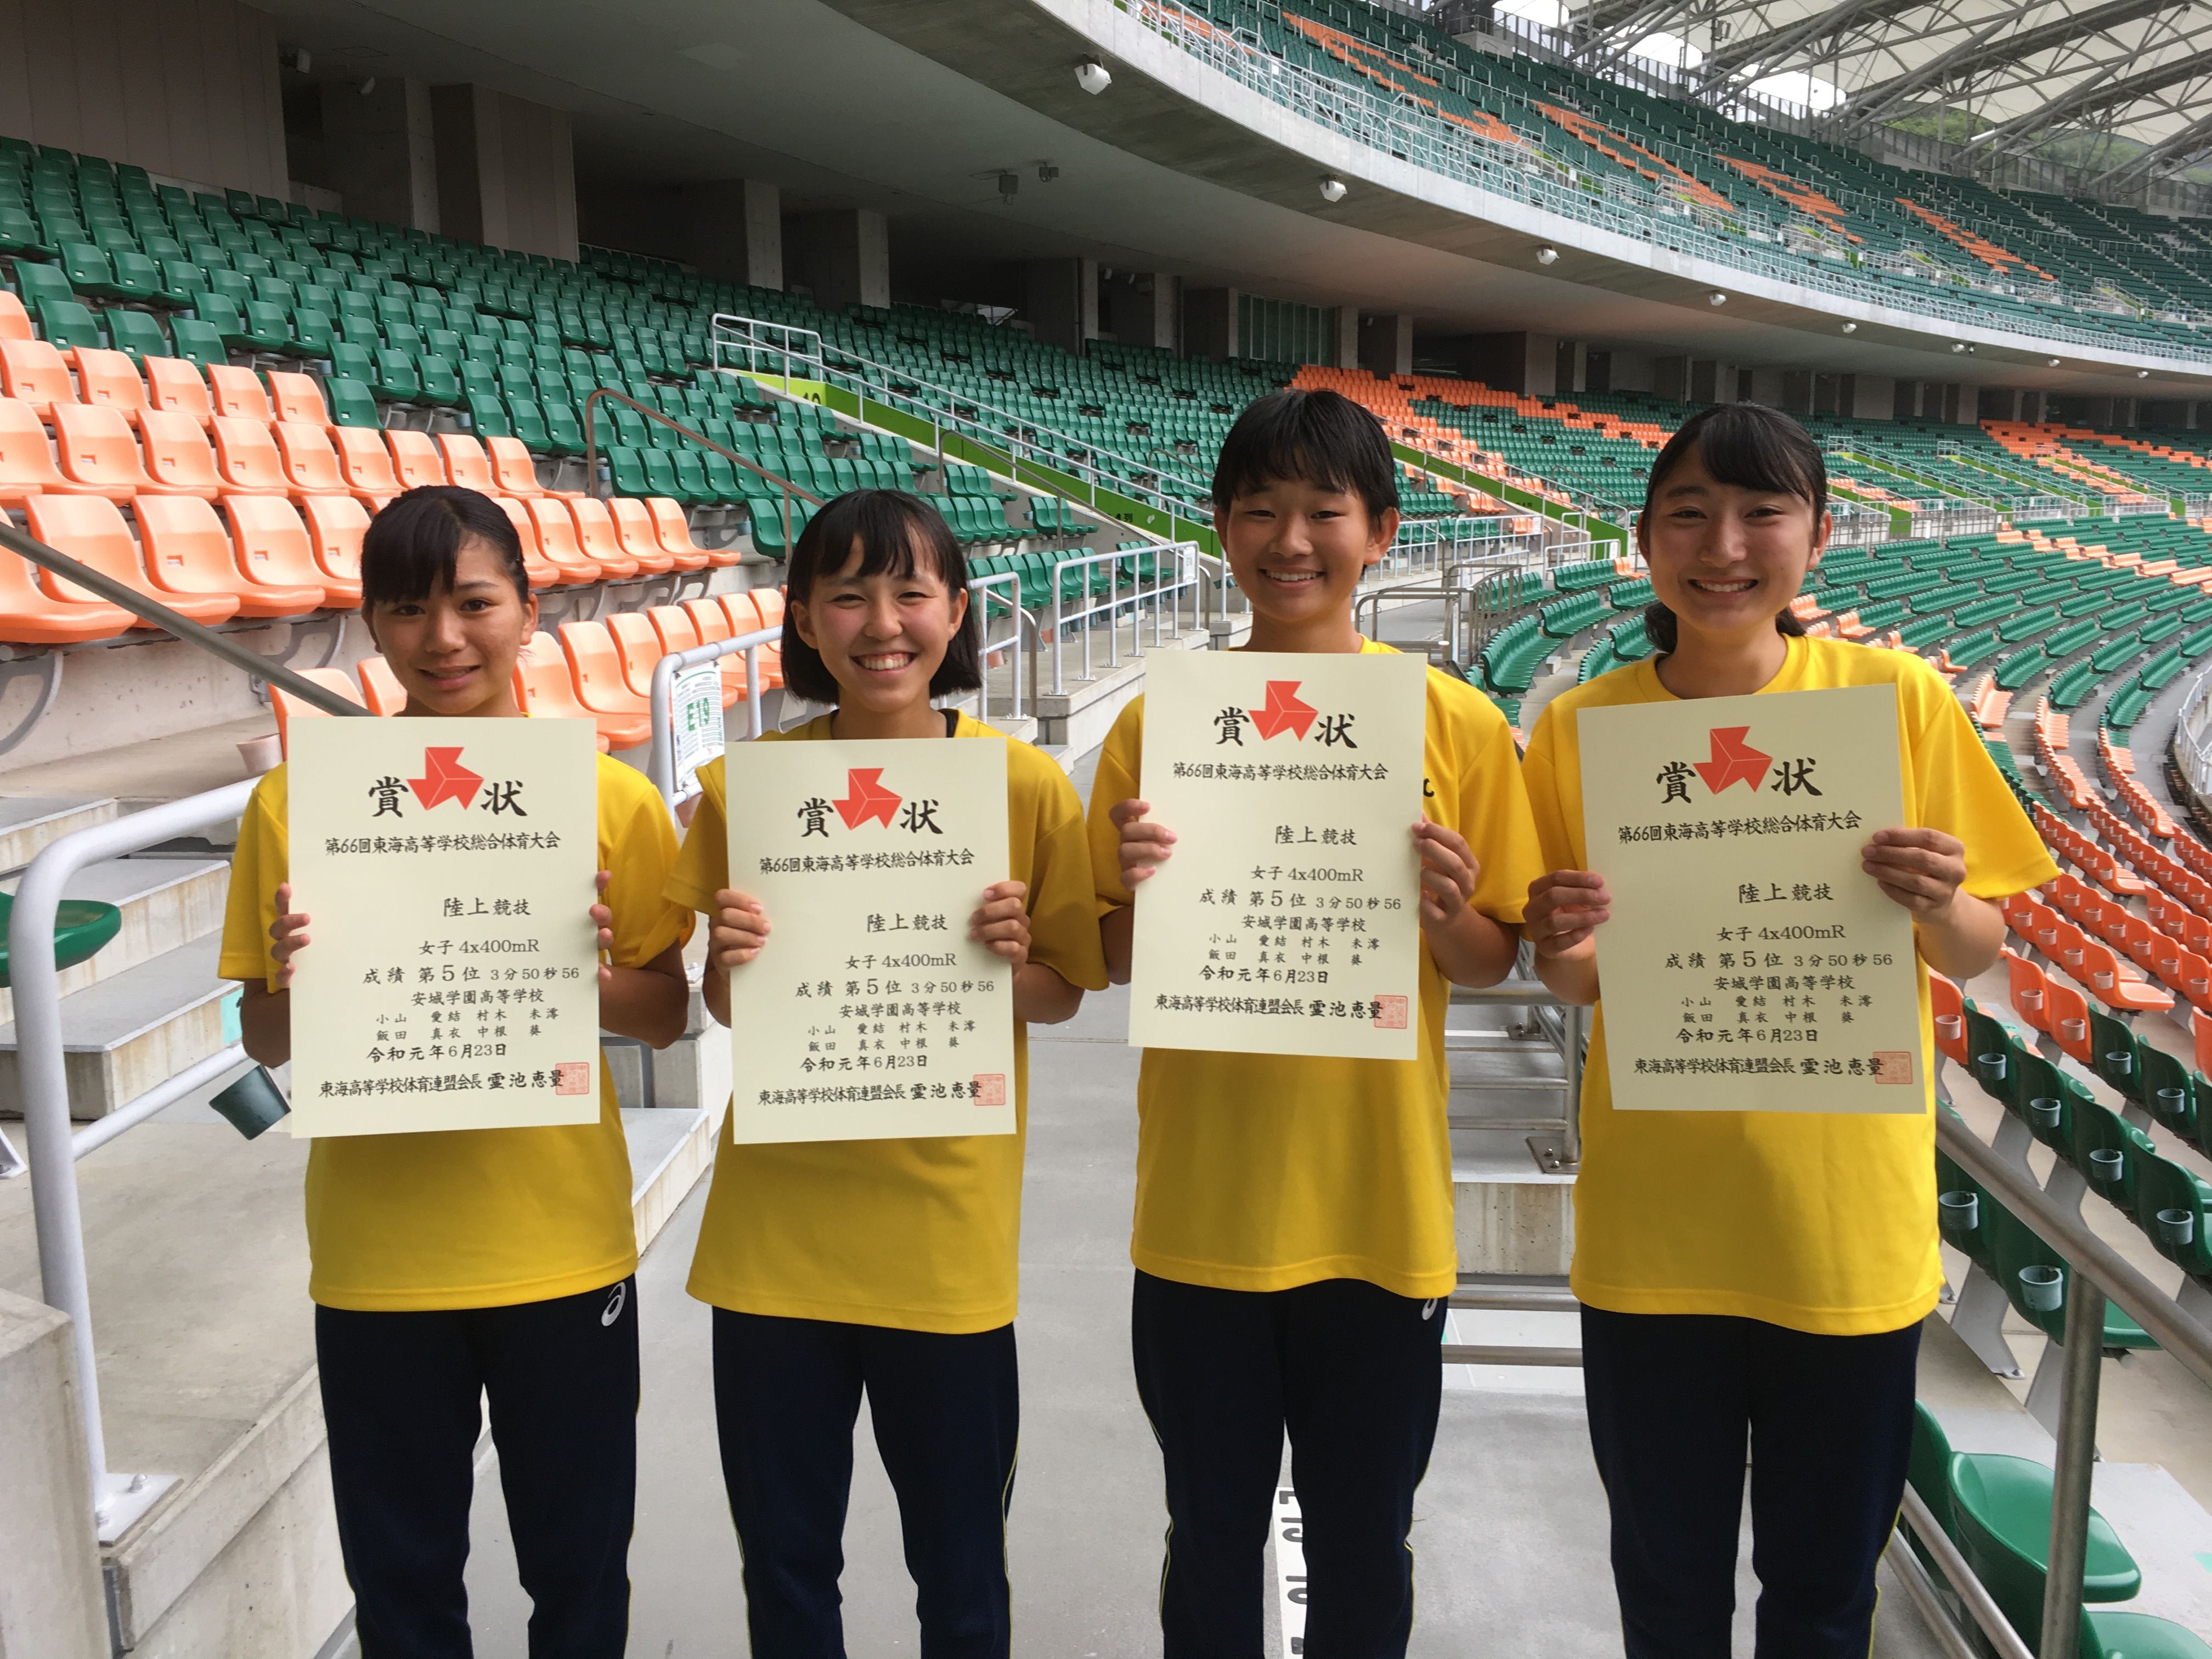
(1990, 46)
(2095, 91)
(2183, 144)
(1767, 49)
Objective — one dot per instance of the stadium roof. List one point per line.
(2121, 88)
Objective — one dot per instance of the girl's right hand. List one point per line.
(287, 936)
(1565, 906)
(1145, 845)
(738, 930)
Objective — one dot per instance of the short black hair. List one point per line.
(410, 548)
(1319, 438)
(1752, 448)
(895, 530)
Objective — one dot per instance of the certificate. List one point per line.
(1751, 963)
(1288, 920)
(869, 1014)
(452, 981)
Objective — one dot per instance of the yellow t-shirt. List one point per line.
(1264, 1172)
(922, 1234)
(469, 1218)
(1820, 1222)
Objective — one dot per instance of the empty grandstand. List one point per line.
(661, 282)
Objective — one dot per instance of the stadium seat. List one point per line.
(637, 647)
(596, 537)
(246, 456)
(542, 573)
(98, 452)
(30, 614)
(543, 688)
(641, 537)
(512, 471)
(175, 385)
(91, 531)
(672, 626)
(365, 463)
(466, 464)
(14, 321)
(335, 525)
(33, 372)
(676, 537)
(310, 459)
(2001, 1506)
(380, 688)
(27, 456)
(287, 708)
(556, 540)
(178, 458)
(595, 668)
(189, 552)
(109, 378)
(275, 548)
(238, 392)
(296, 398)
(415, 457)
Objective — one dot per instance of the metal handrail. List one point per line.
(592, 452)
(153, 611)
(661, 766)
(1140, 598)
(44, 1080)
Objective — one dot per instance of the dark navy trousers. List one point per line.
(947, 1416)
(1352, 1373)
(1672, 1400)
(402, 1395)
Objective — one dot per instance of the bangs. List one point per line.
(411, 548)
(1320, 439)
(890, 528)
(1749, 446)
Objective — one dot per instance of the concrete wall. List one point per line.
(1060, 300)
(507, 171)
(378, 151)
(1167, 312)
(186, 88)
(52, 1602)
(844, 257)
(1523, 362)
(1346, 354)
(1386, 343)
(1873, 396)
(1209, 323)
(1628, 371)
(732, 229)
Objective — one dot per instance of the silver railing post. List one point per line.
(2083, 1355)
(118, 1499)
(660, 759)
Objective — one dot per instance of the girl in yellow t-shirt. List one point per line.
(886, 1268)
(1760, 1273)
(451, 1267)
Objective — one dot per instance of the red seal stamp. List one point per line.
(1892, 1066)
(1389, 1013)
(991, 1088)
(572, 1077)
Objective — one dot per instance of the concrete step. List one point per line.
(166, 901)
(29, 822)
(124, 1034)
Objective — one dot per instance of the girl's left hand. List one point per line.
(604, 920)
(1003, 922)
(1448, 870)
(1919, 869)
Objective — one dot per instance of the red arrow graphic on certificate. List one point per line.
(1734, 760)
(444, 778)
(865, 799)
(1284, 712)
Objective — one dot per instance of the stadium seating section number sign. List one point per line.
(1288, 920)
(869, 1013)
(453, 979)
(1751, 965)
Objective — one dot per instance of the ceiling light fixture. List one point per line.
(2050, 362)
(1092, 76)
(1332, 189)
(1547, 255)
(2142, 375)
(1716, 298)
(1850, 328)
(1957, 346)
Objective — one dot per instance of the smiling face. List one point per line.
(1726, 559)
(453, 650)
(1297, 551)
(882, 637)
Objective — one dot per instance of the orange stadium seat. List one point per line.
(29, 615)
(109, 378)
(246, 456)
(14, 321)
(713, 623)
(641, 537)
(173, 384)
(275, 548)
(542, 572)
(296, 398)
(637, 647)
(27, 457)
(178, 458)
(595, 669)
(237, 392)
(335, 525)
(543, 688)
(36, 374)
(365, 462)
(673, 627)
(381, 687)
(188, 552)
(309, 458)
(414, 459)
(466, 464)
(91, 531)
(287, 708)
(675, 535)
(556, 540)
(511, 468)
(98, 452)
(595, 535)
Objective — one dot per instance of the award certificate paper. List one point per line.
(1751, 965)
(869, 1014)
(1288, 920)
(452, 979)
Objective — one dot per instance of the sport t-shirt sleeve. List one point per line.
(1494, 817)
(258, 868)
(1961, 792)
(1114, 782)
(1062, 907)
(702, 867)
